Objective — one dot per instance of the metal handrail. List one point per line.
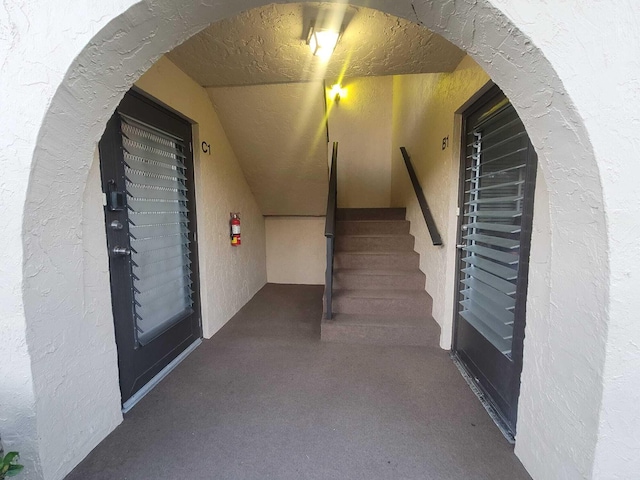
(330, 232)
(426, 213)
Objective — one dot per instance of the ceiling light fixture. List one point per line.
(322, 42)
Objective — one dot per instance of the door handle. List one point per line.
(119, 251)
(460, 247)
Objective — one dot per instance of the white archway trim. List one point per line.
(566, 334)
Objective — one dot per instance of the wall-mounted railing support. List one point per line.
(426, 213)
(330, 232)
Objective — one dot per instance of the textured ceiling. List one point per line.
(278, 133)
(268, 45)
(267, 87)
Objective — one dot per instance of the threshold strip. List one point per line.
(502, 426)
(129, 404)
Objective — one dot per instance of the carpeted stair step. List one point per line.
(372, 227)
(377, 260)
(371, 214)
(378, 288)
(374, 243)
(412, 303)
(368, 279)
(381, 330)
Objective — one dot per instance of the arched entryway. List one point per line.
(573, 310)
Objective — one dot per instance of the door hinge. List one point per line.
(190, 147)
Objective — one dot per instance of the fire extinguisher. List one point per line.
(235, 229)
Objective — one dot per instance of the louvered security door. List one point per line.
(147, 174)
(157, 207)
(497, 199)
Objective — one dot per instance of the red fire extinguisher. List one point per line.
(235, 229)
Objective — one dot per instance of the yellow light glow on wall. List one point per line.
(337, 92)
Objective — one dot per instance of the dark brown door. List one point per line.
(496, 207)
(147, 178)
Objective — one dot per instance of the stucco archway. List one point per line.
(54, 241)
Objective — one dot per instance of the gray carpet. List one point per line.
(265, 399)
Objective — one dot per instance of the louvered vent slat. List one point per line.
(157, 208)
(496, 158)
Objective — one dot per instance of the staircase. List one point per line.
(378, 288)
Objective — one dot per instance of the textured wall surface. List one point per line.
(423, 114)
(600, 73)
(296, 250)
(229, 276)
(361, 124)
(278, 133)
(67, 65)
(268, 45)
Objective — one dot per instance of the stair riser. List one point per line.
(347, 281)
(399, 243)
(377, 262)
(378, 335)
(371, 214)
(382, 227)
(382, 306)
(379, 296)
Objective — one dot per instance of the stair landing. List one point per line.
(378, 294)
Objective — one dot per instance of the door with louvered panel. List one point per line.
(147, 177)
(496, 207)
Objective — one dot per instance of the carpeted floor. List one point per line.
(265, 399)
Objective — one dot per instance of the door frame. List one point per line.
(489, 92)
(126, 340)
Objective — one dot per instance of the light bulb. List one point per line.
(323, 42)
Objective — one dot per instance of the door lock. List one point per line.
(120, 251)
(115, 199)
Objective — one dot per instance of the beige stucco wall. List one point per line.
(278, 133)
(66, 67)
(360, 123)
(296, 250)
(423, 114)
(229, 276)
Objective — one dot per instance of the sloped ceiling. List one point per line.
(267, 87)
(278, 134)
(268, 45)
